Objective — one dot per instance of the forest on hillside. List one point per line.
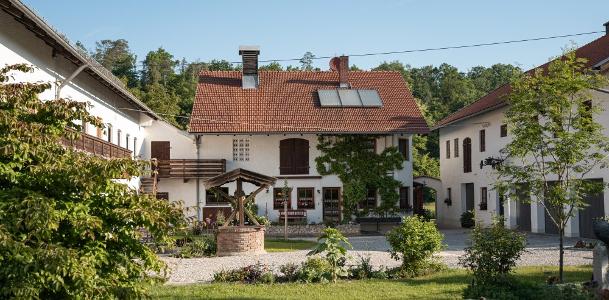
(168, 84)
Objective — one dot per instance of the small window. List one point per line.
(483, 198)
(503, 130)
(371, 145)
(467, 155)
(404, 195)
(241, 149)
(279, 198)
(404, 148)
(119, 137)
(370, 200)
(482, 140)
(162, 195)
(127, 141)
(448, 149)
(456, 146)
(306, 199)
(109, 133)
(212, 199)
(134, 146)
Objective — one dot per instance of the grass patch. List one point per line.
(444, 285)
(281, 245)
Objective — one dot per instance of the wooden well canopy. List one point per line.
(238, 200)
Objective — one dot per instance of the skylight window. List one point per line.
(349, 98)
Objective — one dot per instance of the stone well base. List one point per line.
(235, 240)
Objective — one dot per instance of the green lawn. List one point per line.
(444, 285)
(281, 245)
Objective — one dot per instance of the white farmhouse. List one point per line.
(476, 133)
(27, 38)
(269, 122)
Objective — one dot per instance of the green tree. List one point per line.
(158, 67)
(220, 65)
(556, 141)
(116, 56)
(306, 62)
(164, 101)
(359, 168)
(68, 228)
(273, 66)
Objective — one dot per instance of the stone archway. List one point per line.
(420, 183)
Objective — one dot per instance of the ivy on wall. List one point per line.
(352, 158)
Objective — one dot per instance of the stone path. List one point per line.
(541, 250)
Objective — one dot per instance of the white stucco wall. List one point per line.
(453, 177)
(264, 159)
(19, 45)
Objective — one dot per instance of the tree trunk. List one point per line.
(561, 259)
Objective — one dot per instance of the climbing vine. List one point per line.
(352, 159)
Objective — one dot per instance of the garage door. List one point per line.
(595, 209)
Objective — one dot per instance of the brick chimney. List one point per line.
(343, 71)
(249, 57)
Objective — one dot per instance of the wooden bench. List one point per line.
(294, 216)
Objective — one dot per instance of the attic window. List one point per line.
(349, 98)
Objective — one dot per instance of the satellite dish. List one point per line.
(334, 63)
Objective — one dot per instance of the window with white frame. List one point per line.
(241, 149)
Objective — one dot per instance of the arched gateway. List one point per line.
(240, 239)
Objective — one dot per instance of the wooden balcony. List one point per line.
(191, 168)
(97, 146)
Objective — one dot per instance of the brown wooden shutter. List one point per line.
(285, 159)
(404, 148)
(160, 150)
(301, 156)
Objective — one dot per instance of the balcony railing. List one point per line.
(191, 168)
(97, 146)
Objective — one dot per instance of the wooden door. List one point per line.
(161, 151)
(469, 196)
(523, 210)
(595, 209)
(331, 204)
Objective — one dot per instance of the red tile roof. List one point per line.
(287, 102)
(595, 51)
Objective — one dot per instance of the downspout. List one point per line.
(69, 79)
(199, 204)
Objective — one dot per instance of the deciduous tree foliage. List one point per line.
(68, 227)
(556, 140)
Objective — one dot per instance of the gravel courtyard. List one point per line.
(541, 250)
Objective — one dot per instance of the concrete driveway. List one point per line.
(458, 239)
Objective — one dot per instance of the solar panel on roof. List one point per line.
(370, 98)
(349, 97)
(328, 98)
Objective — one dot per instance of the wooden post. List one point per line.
(155, 172)
(241, 206)
(285, 219)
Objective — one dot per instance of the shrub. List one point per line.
(315, 269)
(198, 248)
(414, 242)
(331, 243)
(365, 270)
(493, 253)
(289, 271)
(467, 219)
(257, 273)
(428, 215)
(68, 229)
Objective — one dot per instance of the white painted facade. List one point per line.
(454, 178)
(264, 159)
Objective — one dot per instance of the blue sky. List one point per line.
(204, 30)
